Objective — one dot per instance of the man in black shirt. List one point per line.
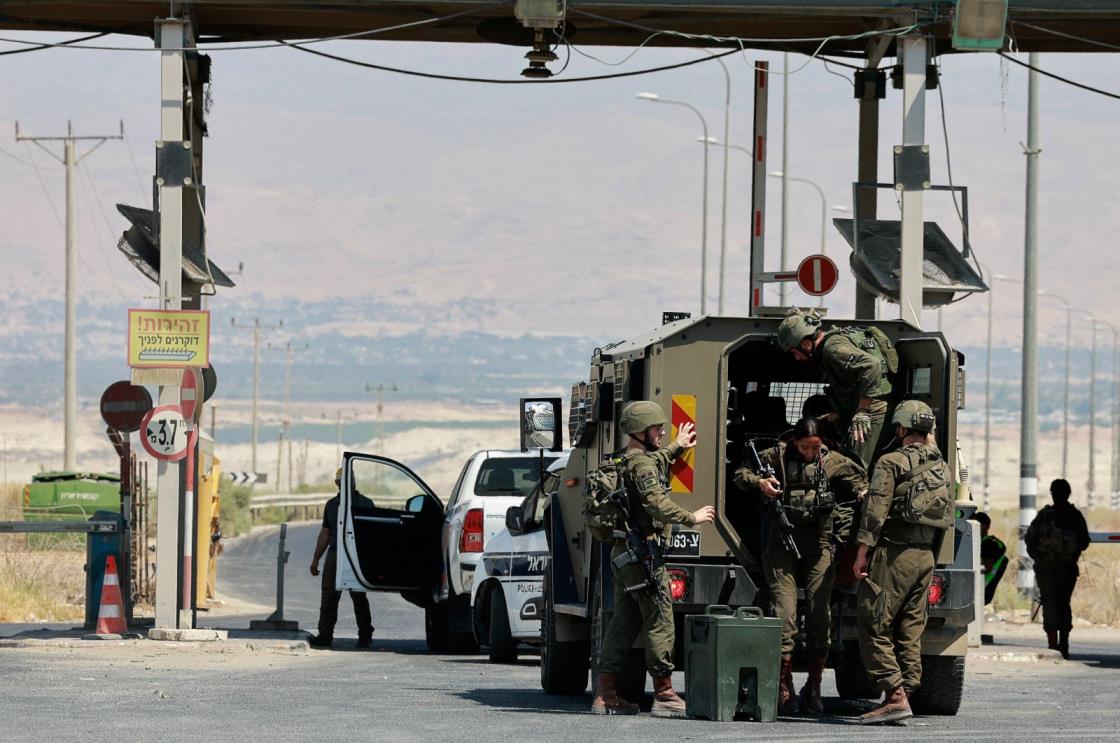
(1055, 540)
(328, 604)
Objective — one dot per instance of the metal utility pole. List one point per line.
(783, 287)
(1091, 483)
(256, 327)
(381, 389)
(987, 501)
(1028, 435)
(723, 221)
(70, 160)
(286, 415)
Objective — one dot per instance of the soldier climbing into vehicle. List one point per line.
(641, 608)
(856, 363)
(808, 479)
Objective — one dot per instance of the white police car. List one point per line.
(408, 542)
(506, 595)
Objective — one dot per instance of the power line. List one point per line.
(501, 81)
(135, 168)
(95, 197)
(16, 158)
(43, 184)
(38, 46)
(1059, 78)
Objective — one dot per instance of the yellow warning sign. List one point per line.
(168, 338)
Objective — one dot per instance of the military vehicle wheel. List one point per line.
(503, 648)
(564, 665)
(435, 627)
(460, 626)
(851, 677)
(942, 685)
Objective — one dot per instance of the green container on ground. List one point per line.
(68, 496)
(732, 659)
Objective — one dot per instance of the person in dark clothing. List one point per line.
(328, 603)
(1055, 540)
(993, 556)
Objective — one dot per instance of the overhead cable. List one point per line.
(505, 81)
(1059, 78)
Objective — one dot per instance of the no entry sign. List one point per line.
(123, 406)
(817, 275)
(190, 394)
(164, 433)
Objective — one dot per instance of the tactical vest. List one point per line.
(1055, 542)
(640, 518)
(875, 342)
(806, 494)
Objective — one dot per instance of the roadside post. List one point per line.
(123, 408)
(276, 620)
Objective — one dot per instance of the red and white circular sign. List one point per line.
(164, 434)
(190, 394)
(817, 275)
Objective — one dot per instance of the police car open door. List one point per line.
(389, 525)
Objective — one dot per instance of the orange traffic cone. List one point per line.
(110, 616)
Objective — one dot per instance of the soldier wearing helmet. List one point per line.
(855, 363)
(908, 507)
(646, 476)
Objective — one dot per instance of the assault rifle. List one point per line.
(644, 552)
(766, 471)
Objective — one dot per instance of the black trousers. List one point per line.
(328, 604)
(1056, 582)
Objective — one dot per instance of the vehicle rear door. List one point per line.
(389, 524)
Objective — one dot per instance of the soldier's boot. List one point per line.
(895, 707)
(666, 702)
(607, 701)
(1052, 639)
(787, 696)
(1063, 643)
(811, 691)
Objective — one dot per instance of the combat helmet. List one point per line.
(639, 415)
(914, 415)
(796, 327)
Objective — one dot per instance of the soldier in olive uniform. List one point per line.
(908, 506)
(855, 363)
(808, 494)
(643, 611)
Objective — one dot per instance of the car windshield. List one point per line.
(509, 475)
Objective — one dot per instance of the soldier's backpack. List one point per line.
(875, 342)
(1055, 542)
(603, 490)
(921, 495)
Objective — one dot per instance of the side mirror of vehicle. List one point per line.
(515, 520)
(415, 504)
(542, 424)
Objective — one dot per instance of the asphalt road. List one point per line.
(399, 692)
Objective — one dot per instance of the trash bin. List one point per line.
(99, 545)
(732, 660)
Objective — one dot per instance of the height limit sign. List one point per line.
(164, 433)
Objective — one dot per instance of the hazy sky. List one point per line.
(574, 205)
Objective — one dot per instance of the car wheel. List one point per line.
(942, 685)
(435, 627)
(460, 626)
(503, 648)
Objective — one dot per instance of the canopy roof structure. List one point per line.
(1034, 25)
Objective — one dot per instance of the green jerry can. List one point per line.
(732, 660)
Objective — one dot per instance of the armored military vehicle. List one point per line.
(729, 377)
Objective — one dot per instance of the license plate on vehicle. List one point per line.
(684, 543)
